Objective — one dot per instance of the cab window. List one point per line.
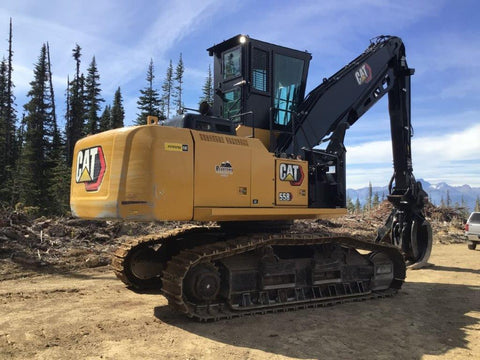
(232, 63)
(287, 80)
(231, 104)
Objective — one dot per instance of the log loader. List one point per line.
(243, 168)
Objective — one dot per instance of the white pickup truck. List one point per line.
(472, 230)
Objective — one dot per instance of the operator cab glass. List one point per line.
(231, 103)
(287, 80)
(232, 63)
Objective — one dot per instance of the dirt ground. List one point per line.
(89, 314)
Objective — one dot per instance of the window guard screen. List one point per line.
(260, 70)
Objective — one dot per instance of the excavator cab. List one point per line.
(258, 85)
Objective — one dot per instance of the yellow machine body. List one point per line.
(157, 172)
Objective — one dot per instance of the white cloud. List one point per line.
(460, 146)
(360, 176)
(454, 158)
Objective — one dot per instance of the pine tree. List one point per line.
(67, 114)
(35, 161)
(477, 204)
(92, 98)
(50, 84)
(15, 182)
(350, 205)
(3, 130)
(179, 70)
(76, 107)
(149, 103)
(358, 207)
(106, 119)
(118, 113)
(9, 149)
(58, 171)
(368, 205)
(449, 200)
(375, 201)
(167, 89)
(10, 103)
(207, 89)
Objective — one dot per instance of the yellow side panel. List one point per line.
(173, 174)
(147, 174)
(232, 171)
(263, 176)
(160, 171)
(291, 182)
(222, 170)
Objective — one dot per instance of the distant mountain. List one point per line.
(436, 193)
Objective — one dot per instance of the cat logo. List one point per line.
(364, 74)
(90, 167)
(292, 173)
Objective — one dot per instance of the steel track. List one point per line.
(120, 259)
(178, 266)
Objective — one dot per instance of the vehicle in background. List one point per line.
(472, 230)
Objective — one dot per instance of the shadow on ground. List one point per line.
(423, 318)
(455, 269)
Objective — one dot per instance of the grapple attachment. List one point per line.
(406, 226)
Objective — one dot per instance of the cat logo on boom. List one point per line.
(364, 74)
(292, 173)
(90, 167)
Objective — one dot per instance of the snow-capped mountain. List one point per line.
(436, 193)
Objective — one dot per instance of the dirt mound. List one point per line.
(62, 243)
(448, 223)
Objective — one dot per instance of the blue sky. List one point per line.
(442, 40)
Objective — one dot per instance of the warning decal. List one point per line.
(175, 147)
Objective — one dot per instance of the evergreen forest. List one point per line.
(37, 143)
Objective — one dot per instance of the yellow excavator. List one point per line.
(262, 155)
